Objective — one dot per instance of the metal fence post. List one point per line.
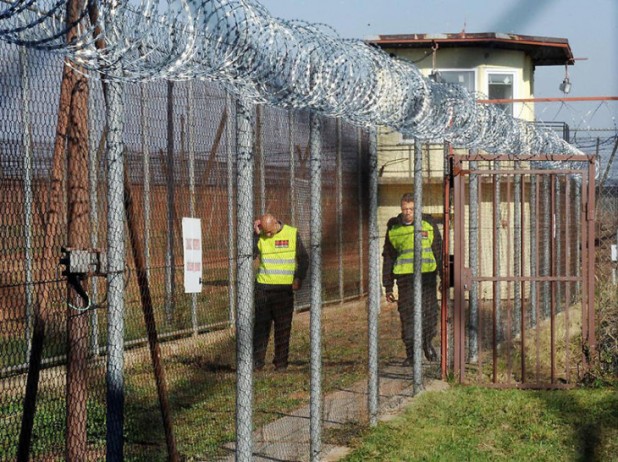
(259, 152)
(339, 211)
(146, 173)
(116, 268)
(517, 257)
(244, 317)
(28, 197)
(473, 256)
(534, 250)
(578, 237)
(316, 287)
(497, 263)
(191, 149)
(557, 241)
(231, 228)
(292, 168)
(93, 177)
(359, 152)
(170, 258)
(547, 220)
(373, 302)
(418, 275)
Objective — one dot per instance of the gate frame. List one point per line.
(463, 277)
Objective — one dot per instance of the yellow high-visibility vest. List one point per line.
(402, 239)
(278, 257)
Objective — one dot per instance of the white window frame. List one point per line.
(516, 75)
(474, 71)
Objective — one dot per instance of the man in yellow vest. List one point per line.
(283, 266)
(398, 254)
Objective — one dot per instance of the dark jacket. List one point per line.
(302, 263)
(389, 253)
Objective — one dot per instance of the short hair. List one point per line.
(407, 197)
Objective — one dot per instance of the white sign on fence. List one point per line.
(614, 252)
(192, 245)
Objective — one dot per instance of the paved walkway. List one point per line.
(287, 439)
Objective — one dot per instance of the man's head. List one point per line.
(407, 208)
(269, 225)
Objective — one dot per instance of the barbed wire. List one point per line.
(264, 59)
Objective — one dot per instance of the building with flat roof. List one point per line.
(494, 65)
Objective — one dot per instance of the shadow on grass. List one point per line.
(594, 421)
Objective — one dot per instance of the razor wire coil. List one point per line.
(260, 58)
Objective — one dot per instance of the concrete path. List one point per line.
(287, 439)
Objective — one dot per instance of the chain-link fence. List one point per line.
(133, 366)
(169, 356)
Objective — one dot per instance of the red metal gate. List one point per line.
(523, 241)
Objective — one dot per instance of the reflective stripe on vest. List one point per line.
(402, 239)
(277, 257)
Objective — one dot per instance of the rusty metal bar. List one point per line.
(534, 248)
(522, 285)
(509, 307)
(552, 271)
(517, 242)
(512, 171)
(495, 272)
(459, 321)
(481, 324)
(576, 244)
(560, 270)
(547, 100)
(531, 386)
(538, 286)
(584, 262)
(473, 234)
(446, 271)
(567, 289)
(532, 157)
(526, 278)
(547, 229)
(557, 242)
(590, 221)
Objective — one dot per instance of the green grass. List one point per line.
(202, 383)
(460, 424)
(477, 424)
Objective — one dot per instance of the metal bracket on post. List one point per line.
(83, 262)
(80, 264)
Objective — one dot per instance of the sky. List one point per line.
(590, 26)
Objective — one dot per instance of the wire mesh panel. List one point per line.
(179, 359)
